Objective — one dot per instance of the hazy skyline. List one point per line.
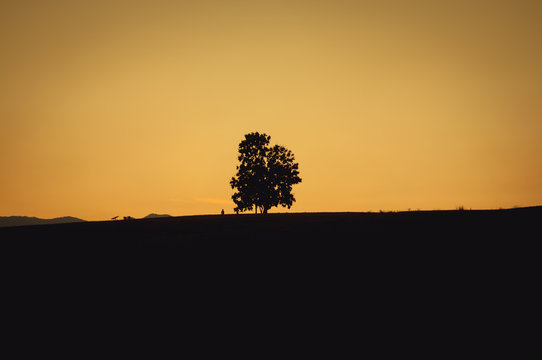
(131, 107)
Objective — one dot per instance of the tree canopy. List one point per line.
(265, 175)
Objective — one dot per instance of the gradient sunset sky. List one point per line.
(131, 107)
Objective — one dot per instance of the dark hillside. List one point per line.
(454, 271)
(319, 234)
(205, 230)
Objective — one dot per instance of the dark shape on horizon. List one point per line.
(114, 217)
(153, 215)
(128, 218)
(26, 220)
(222, 212)
(265, 175)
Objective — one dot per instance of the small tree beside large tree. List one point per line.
(265, 175)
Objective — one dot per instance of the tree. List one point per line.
(265, 175)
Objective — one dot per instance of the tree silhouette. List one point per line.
(265, 175)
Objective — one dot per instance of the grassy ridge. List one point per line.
(430, 269)
(457, 224)
(310, 238)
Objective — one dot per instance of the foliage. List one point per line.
(265, 175)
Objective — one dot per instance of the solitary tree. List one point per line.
(265, 175)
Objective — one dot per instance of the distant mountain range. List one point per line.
(150, 216)
(6, 221)
(25, 220)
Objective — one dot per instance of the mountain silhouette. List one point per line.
(26, 220)
(153, 215)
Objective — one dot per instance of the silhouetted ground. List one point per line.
(429, 277)
(309, 238)
(231, 231)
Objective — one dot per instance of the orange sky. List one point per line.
(130, 107)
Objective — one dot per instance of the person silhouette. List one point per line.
(222, 212)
